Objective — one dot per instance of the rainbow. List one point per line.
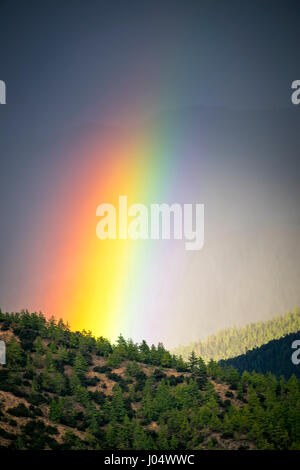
(109, 287)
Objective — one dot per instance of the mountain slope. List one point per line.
(274, 357)
(67, 390)
(232, 342)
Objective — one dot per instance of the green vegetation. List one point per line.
(274, 357)
(68, 390)
(231, 342)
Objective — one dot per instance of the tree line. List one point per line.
(232, 342)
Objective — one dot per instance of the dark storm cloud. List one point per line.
(71, 66)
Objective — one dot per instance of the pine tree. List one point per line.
(80, 365)
(56, 410)
(144, 352)
(38, 345)
(117, 404)
(192, 361)
(111, 435)
(162, 438)
(14, 353)
(140, 441)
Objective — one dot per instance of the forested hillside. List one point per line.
(68, 390)
(232, 342)
(275, 357)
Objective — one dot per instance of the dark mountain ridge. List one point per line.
(274, 357)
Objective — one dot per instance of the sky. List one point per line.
(164, 101)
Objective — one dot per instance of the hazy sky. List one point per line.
(218, 74)
(69, 62)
